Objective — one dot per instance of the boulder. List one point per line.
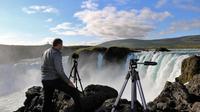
(177, 97)
(123, 106)
(95, 95)
(190, 67)
(174, 97)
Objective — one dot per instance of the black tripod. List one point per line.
(75, 75)
(134, 84)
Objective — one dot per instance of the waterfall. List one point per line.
(20, 75)
(16, 78)
(153, 78)
(99, 61)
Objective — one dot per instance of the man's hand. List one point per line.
(71, 84)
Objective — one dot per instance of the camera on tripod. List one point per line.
(135, 83)
(134, 62)
(75, 56)
(74, 74)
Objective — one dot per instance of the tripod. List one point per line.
(75, 75)
(135, 82)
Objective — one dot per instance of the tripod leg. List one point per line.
(79, 79)
(141, 92)
(121, 92)
(75, 77)
(70, 76)
(133, 93)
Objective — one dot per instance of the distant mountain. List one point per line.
(13, 53)
(180, 42)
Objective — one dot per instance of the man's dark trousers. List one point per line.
(50, 85)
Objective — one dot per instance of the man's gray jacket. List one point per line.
(52, 67)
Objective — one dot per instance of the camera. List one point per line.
(134, 62)
(75, 56)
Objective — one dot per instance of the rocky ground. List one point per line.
(175, 97)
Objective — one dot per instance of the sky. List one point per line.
(91, 22)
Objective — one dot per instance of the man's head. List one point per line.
(58, 43)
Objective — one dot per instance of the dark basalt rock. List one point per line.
(95, 97)
(177, 97)
(174, 97)
(162, 49)
(123, 106)
(86, 55)
(116, 54)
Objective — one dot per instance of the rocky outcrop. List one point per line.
(162, 49)
(190, 67)
(123, 106)
(95, 95)
(174, 97)
(177, 97)
(116, 54)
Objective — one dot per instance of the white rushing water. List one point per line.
(17, 78)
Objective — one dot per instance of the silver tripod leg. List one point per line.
(133, 93)
(141, 92)
(121, 92)
(137, 78)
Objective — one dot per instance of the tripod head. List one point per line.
(134, 63)
(75, 56)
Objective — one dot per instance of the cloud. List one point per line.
(49, 20)
(110, 23)
(122, 1)
(46, 40)
(90, 43)
(20, 38)
(190, 5)
(160, 3)
(89, 4)
(39, 9)
(15, 38)
(182, 26)
(66, 28)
